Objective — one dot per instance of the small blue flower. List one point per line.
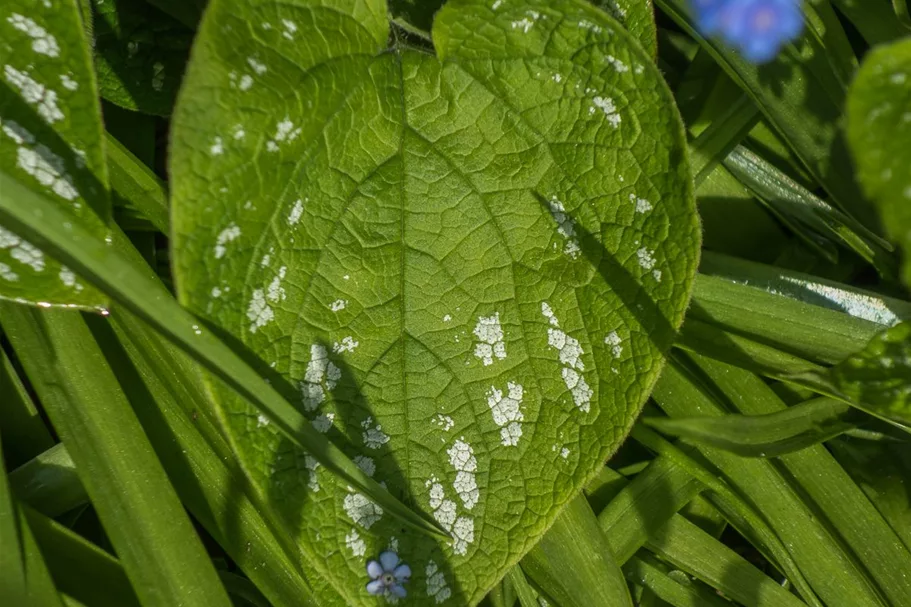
(388, 576)
(759, 28)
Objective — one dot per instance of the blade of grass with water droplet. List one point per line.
(688, 548)
(677, 590)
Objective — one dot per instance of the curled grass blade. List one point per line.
(768, 435)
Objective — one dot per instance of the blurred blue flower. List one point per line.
(387, 576)
(758, 28)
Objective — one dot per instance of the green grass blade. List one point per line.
(645, 504)
(34, 215)
(710, 340)
(770, 310)
(524, 592)
(767, 435)
(715, 143)
(172, 408)
(574, 563)
(806, 211)
(24, 579)
(49, 483)
(649, 572)
(690, 549)
(738, 511)
(881, 471)
(137, 505)
(833, 572)
(12, 560)
(80, 569)
(780, 91)
(874, 20)
(136, 184)
(876, 308)
(22, 430)
(702, 556)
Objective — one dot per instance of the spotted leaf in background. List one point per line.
(50, 140)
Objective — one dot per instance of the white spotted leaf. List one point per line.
(879, 132)
(637, 16)
(466, 267)
(50, 141)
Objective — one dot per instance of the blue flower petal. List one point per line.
(389, 560)
(760, 50)
(402, 572)
(376, 587)
(398, 590)
(374, 569)
(707, 13)
(758, 28)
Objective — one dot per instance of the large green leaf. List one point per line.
(50, 139)
(879, 129)
(413, 244)
(140, 54)
(637, 16)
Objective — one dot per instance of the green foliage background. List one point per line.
(286, 285)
